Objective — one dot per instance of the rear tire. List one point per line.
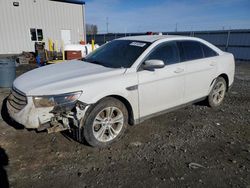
(106, 123)
(217, 94)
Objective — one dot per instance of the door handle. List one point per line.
(212, 64)
(179, 70)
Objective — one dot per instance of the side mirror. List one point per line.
(153, 64)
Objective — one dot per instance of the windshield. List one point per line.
(117, 53)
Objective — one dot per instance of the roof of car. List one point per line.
(152, 38)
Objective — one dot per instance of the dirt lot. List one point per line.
(192, 147)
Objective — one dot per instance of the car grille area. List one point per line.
(17, 100)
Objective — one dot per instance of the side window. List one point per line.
(33, 34)
(39, 34)
(167, 52)
(36, 34)
(190, 50)
(208, 52)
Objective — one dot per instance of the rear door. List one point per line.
(200, 70)
(163, 88)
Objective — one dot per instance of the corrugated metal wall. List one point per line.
(234, 41)
(50, 16)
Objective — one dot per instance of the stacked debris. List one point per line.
(26, 58)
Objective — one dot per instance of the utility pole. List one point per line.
(176, 27)
(107, 24)
(125, 31)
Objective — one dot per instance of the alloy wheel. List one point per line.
(218, 92)
(108, 124)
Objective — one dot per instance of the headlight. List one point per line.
(54, 100)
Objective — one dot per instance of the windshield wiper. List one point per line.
(100, 63)
(95, 62)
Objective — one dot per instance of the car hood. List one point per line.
(62, 78)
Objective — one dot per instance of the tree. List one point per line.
(91, 29)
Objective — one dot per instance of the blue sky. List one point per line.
(163, 15)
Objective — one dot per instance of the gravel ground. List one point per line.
(193, 147)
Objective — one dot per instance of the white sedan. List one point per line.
(123, 82)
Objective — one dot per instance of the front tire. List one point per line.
(106, 122)
(217, 94)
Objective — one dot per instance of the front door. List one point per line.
(66, 36)
(163, 88)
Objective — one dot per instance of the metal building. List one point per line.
(24, 22)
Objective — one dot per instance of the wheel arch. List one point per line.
(127, 104)
(226, 78)
(131, 119)
(223, 75)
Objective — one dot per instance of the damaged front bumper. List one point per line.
(29, 116)
(52, 119)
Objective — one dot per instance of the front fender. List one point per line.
(117, 86)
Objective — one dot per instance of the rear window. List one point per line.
(208, 52)
(190, 50)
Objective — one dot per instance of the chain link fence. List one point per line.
(236, 42)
